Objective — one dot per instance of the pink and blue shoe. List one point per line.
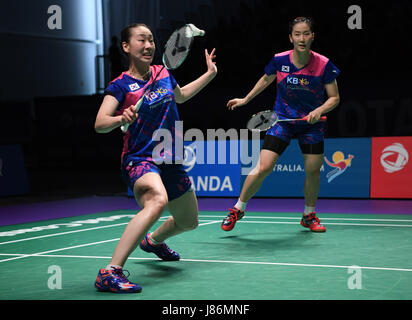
(161, 250)
(114, 280)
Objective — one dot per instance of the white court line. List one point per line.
(69, 232)
(47, 254)
(74, 247)
(331, 223)
(323, 218)
(56, 250)
(230, 262)
(240, 221)
(63, 233)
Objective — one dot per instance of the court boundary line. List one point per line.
(39, 254)
(16, 256)
(323, 218)
(74, 247)
(62, 233)
(69, 232)
(334, 223)
(225, 261)
(240, 221)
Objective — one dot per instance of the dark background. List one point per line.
(49, 95)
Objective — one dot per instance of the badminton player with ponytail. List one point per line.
(141, 101)
(303, 76)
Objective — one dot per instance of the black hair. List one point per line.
(297, 20)
(125, 33)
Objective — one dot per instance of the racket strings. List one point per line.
(262, 120)
(177, 48)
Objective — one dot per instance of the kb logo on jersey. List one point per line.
(296, 81)
(155, 95)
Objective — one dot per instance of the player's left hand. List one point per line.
(313, 116)
(211, 65)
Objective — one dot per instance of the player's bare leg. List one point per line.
(254, 180)
(152, 197)
(184, 218)
(313, 163)
(252, 184)
(184, 211)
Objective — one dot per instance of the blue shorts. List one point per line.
(311, 137)
(306, 133)
(174, 176)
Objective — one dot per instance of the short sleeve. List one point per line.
(116, 91)
(172, 80)
(331, 72)
(271, 67)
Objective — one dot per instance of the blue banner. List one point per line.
(219, 168)
(213, 167)
(347, 168)
(287, 177)
(345, 171)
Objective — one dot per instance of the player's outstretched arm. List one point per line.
(191, 89)
(261, 85)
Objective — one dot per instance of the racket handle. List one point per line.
(323, 118)
(124, 127)
(138, 104)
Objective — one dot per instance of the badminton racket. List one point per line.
(176, 50)
(264, 120)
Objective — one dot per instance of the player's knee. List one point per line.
(157, 204)
(264, 170)
(312, 171)
(189, 225)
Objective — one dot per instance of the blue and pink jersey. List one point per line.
(158, 111)
(299, 91)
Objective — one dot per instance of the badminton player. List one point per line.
(154, 185)
(303, 76)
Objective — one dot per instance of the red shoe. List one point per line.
(229, 222)
(312, 222)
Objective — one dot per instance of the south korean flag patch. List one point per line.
(285, 68)
(134, 86)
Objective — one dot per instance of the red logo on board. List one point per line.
(391, 169)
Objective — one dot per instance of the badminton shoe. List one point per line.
(114, 280)
(161, 250)
(229, 222)
(312, 222)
